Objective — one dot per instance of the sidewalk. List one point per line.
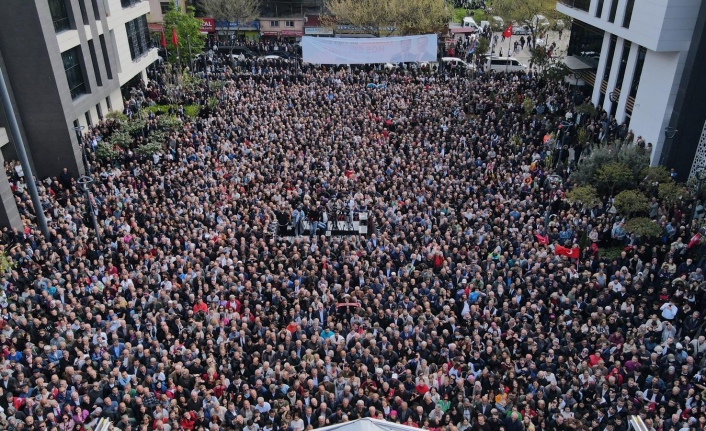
(524, 54)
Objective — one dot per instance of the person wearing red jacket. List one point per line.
(188, 420)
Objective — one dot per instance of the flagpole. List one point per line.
(509, 43)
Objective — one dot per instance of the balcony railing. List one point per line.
(583, 5)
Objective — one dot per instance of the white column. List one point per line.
(606, 9)
(620, 13)
(596, 96)
(627, 82)
(614, 69)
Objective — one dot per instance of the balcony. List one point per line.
(583, 5)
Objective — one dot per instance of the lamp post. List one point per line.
(209, 55)
(85, 183)
(79, 130)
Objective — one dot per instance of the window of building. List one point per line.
(274, 23)
(106, 59)
(641, 54)
(623, 64)
(96, 11)
(84, 13)
(73, 67)
(289, 23)
(629, 6)
(88, 118)
(137, 36)
(129, 3)
(613, 10)
(99, 111)
(606, 73)
(59, 15)
(94, 62)
(599, 9)
(165, 6)
(108, 104)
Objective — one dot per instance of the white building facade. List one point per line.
(642, 60)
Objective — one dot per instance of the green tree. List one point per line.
(237, 11)
(584, 195)
(521, 13)
(613, 176)
(655, 174)
(384, 17)
(671, 192)
(643, 227)
(631, 202)
(189, 37)
(7, 264)
(539, 59)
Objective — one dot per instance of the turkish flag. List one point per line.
(544, 240)
(572, 252)
(508, 31)
(694, 240)
(175, 40)
(163, 40)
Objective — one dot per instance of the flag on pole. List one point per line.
(572, 253)
(175, 40)
(163, 40)
(473, 47)
(508, 31)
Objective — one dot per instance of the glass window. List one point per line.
(129, 3)
(613, 10)
(623, 64)
(164, 7)
(274, 23)
(106, 59)
(96, 11)
(137, 36)
(599, 9)
(629, 6)
(84, 14)
(641, 53)
(59, 15)
(289, 23)
(94, 62)
(72, 60)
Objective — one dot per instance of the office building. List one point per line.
(643, 59)
(65, 62)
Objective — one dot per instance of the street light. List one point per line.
(85, 183)
(209, 54)
(78, 130)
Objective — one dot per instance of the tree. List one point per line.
(585, 195)
(672, 192)
(190, 40)
(521, 13)
(643, 227)
(655, 174)
(631, 202)
(539, 58)
(237, 11)
(613, 176)
(384, 17)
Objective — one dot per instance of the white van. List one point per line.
(510, 64)
(540, 22)
(457, 62)
(469, 22)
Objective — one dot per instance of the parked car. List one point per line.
(497, 22)
(521, 30)
(469, 22)
(458, 62)
(237, 51)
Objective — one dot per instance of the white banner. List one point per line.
(317, 50)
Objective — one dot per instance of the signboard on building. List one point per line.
(208, 25)
(318, 31)
(233, 25)
(291, 33)
(326, 50)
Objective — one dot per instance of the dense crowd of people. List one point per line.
(188, 312)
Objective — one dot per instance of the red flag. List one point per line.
(694, 240)
(163, 40)
(175, 40)
(544, 240)
(508, 31)
(572, 253)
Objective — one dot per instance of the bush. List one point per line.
(121, 139)
(116, 116)
(672, 192)
(106, 151)
(613, 176)
(147, 150)
(192, 111)
(643, 227)
(654, 174)
(168, 122)
(631, 202)
(585, 195)
(635, 158)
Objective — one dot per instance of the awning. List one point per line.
(155, 26)
(580, 63)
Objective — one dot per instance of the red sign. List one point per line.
(208, 25)
(270, 33)
(291, 33)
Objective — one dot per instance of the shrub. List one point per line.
(672, 192)
(614, 176)
(585, 195)
(121, 139)
(106, 151)
(654, 174)
(631, 202)
(643, 227)
(148, 149)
